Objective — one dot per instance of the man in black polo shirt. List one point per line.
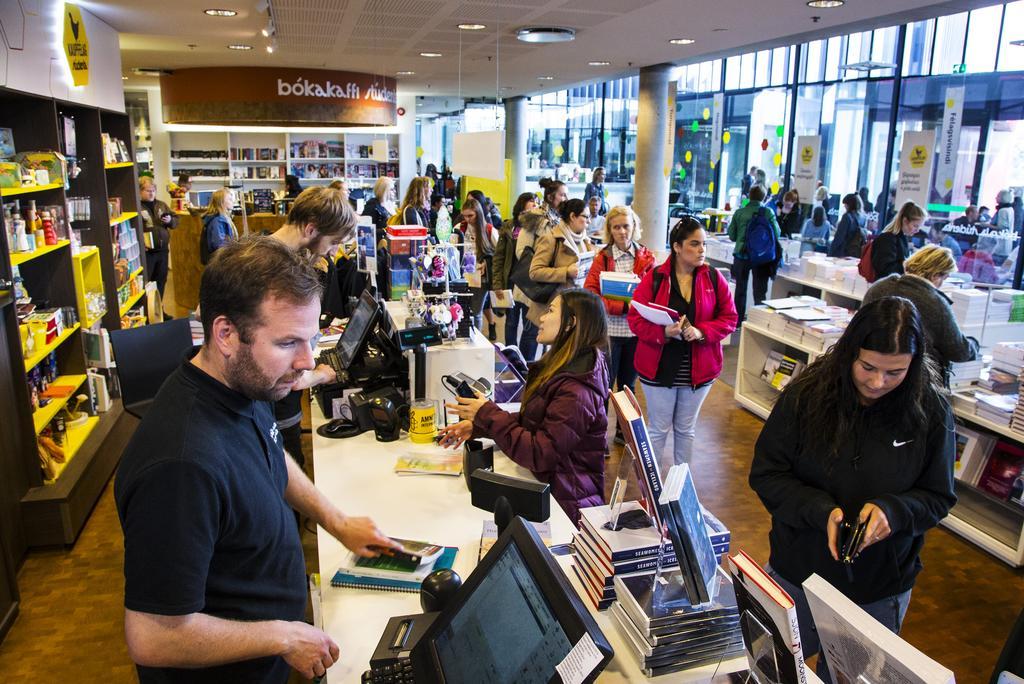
(215, 585)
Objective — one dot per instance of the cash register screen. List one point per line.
(359, 326)
(505, 631)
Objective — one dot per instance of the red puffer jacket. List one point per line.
(715, 315)
(559, 433)
(643, 261)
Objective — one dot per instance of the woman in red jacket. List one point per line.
(677, 363)
(559, 432)
(622, 254)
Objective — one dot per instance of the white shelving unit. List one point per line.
(359, 171)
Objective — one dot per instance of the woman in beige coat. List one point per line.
(563, 255)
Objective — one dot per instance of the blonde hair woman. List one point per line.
(415, 209)
(217, 225)
(925, 272)
(622, 253)
(892, 246)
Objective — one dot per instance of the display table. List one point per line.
(185, 254)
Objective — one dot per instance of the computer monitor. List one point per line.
(360, 325)
(514, 620)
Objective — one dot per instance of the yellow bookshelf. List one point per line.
(119, 165)
(76, 436)
(124, 216)
(33, 360)
(14, 192)
(45, 414)
(88, 280)
(18, 258)
(131, 301)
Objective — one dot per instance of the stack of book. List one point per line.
(996, 408)
(999, 381)
(603, 553)
(665, 632)
(402, 571)
(618, 286)
(1006, 306)
(761, 315)
(969, 306)
(966, 374)
(824, 334)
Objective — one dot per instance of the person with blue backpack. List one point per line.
(756, 233)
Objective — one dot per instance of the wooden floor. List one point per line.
(71, 623)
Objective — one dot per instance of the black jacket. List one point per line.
(888, 253)
(380, 215)
(909, 475)
(160, 230)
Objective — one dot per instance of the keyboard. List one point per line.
(330, 358)
(396, 672)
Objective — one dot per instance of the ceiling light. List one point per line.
(141, 71)
(825, 4)
(240, 47)
(546, 34)
(598, 63)
(272, 46)
(430, 54)
(682, 41)
(472, 27)
(405, 73)
(124, 78)
(220, 12)
(1018, 43)
(545, 78)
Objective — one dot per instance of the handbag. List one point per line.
(520, 276)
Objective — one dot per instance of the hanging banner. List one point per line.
(670, 133)
(717, 114)
(916, 161)
(76, 45)
(950, 141)
(805, 168)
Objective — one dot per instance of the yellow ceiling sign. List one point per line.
(76, 45)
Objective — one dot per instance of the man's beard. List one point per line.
(246, 377)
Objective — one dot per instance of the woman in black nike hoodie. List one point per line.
(864, 434)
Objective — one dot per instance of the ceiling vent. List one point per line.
(546, 34)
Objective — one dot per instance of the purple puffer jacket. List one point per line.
(559, 434)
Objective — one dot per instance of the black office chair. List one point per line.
(145, 356)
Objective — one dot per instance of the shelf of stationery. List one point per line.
(119, 165)
(131, 301)
(134, 273)
(261, 162)
(33, 360)
(124, 216)
(14, 192)
(45, 414)
(88, 280)
(75, 437)
(218, 162)
(1002, 430)
(320, 159)
(18, 258)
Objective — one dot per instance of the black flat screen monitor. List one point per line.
(360, 325)
(514, 620)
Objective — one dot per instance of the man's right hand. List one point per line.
(308, 649)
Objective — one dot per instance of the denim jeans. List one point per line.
(528, 341)
(675, 409)
(622, 370)
(512, 316)
(890, 611)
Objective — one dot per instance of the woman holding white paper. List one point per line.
(678, 362)
(621, 254)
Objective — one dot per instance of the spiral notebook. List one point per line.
(345, 578)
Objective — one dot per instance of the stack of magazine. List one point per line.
(681, 615)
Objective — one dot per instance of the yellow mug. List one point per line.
(423, 421)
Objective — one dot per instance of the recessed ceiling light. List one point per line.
(472, 27)
(682, 41)
(545, 78)
(124, 78)
(598, 63)
(405, 73)
(430, 54)
(546, 34)
(825, 4)
(271, 47)
(239, 47)
(220, 12)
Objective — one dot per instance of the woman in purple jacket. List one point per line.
(559, 432)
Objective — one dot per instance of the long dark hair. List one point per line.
(583, 326)
(520, 204)
(828, 401)
(478, 227)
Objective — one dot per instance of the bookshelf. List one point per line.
(213, 159)
(35, 511)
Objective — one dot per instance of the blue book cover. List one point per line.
(618, 286)
(645, 462)
(684, 517)
(345, 579)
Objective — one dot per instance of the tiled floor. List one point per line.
(71, 623)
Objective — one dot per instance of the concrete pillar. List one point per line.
(516, 134)
(406, 126)
(655, 121)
